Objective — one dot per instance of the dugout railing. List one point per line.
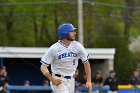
(41, 88)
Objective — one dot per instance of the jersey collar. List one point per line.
(60, 42)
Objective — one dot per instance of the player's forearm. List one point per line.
(88, 71)
(46, 72)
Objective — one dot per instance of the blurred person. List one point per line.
(112, 82)
(5, 87)
(135, 78)
(46, 83)
(4, 71)
(77, 78)
(3, 78)
(83, 83)
(26, 83)
(97, 80)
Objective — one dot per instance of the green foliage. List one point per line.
(32, 25)
(35, 25)
(109, 36)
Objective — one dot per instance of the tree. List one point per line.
(128, 15)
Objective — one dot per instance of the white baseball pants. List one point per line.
(66, 86)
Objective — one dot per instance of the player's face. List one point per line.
(98, 75)
(136, 73)
(72, 35)
(112, 74)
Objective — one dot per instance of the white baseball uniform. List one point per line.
(64, 61)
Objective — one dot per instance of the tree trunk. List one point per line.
(128, 17)
(43, 27)
(35, 30)
(8, 25)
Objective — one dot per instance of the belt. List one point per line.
(67, 77)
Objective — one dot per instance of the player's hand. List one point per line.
(56, 82)
(89, 85)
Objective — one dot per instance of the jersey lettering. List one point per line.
(67, 54)
(64, 60)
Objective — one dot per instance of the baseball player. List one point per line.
(63, 57)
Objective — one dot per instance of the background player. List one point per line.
(63, 57)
